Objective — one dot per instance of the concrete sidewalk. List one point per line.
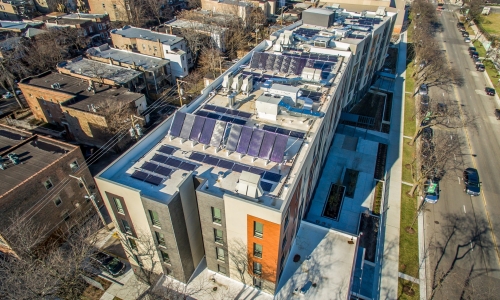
(390, 264)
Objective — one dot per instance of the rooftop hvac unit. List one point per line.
(237, 83)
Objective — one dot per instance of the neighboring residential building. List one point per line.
(100, 23)
(117, 10)
(231, 176)
(155, 44)
(78, 102)
(156, 71)
(216, 33)
(242, 9)
(16, 10)
(17, 28)
(36, 184)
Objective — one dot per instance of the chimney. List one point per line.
(110, 61)
(92, 86)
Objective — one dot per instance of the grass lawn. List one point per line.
(403, 296)
(378, 198)
(410, 125)
(408, 152)
(493, 74)
(408, 243)
(491, 23)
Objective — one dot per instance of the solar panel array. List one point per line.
(257, 143)
(271, 177)
(369, 21)
(307, 32)
(295, 134)
(216, 116)
(228, 111)
(149, 178)
(198, 128)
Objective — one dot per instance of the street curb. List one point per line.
(422, 258)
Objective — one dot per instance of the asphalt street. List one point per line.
(462, 232)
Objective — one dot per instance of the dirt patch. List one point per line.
(334, 203)
(93, 293)
(377, 201)
(350, 180)
(369, 226)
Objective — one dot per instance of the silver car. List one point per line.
(423, 89)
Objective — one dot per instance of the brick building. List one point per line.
(36, 184)
(91, 25)
(242, 9)
(155, 44)
(78, 106)
(16, 10)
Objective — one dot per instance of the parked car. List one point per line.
(480, 67)
(425, 99)
(467, 40)
(474, 54)
(110, 264)
(460, 24)
(472, 49)
(471, 182)
(461, 29)
(431, 189)
(427, 134)
(465, 34)
(489, 91)
(497, 113)
(423, 89)
(7, 95)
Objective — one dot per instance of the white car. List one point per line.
(467, 40)
(7, 95)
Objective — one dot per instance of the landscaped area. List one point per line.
(334, 203)
(93, 293)
(350, 180)
(491, 23)
(369, 226)
(408, 242)
(377, 201)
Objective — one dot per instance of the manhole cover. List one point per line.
(437, 222)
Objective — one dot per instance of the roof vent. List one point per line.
(249, 185)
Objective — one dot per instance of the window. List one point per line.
(154, 218)
(284, 243)
(114, 6)
(99, 26)
(286, 220)
(126, 227)
(91, 30)
(164, 257)
(216, 215)
(73, 166)
(258, 229)
(282, 262)
(66, 216)
(48, 184)
(257, 282)
(220, 254)
(161, 239)
(218, 236)
(58, 201)
(143, 47)
(222, 269)
(132, 244)
(138, 260)
(119, 207)
(257, 268)
(257, 250)
(103, 5)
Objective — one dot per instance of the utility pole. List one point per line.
(92, 198)
(180, 91)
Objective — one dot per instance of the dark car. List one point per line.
(427, 133)
(489, 91)
(431, 189)
(423, 89)
(474, 54)
(497, 113)
(465, 34)
(472, 49)
(110, 264)
(425, 99)
(480, 67)
(460, 24)
(471, 182)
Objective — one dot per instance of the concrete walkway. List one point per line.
(390, 264)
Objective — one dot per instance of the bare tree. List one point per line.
(116, 114)
(53, 268)
(211, 61)
(12, 68)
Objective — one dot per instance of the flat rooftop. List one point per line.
(126, 57)
(17, 25)
(184, 23)
(325, 268)
(145, 34)
(84, 16)
(94, 69)
(77, 90)
(34, 156)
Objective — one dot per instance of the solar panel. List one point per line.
(269, 128)
(226, 119)
(155, 180)
(164, 171)
(274, 177)
(255, 143)
(206, 133)
(256, 171)
(209, 107)
(159, 158)
(213, 116)
(234, 136)
(222, 110)
(173, 162)
(283, 131)
(239, 168)
(202, 113)
(245, 137)
(244, 114)
(266, 186)
(279, 148)
(187, 166)
(225, 164)
(297, 134)
(197, 128)
(218, 134)
(149, 166)
(175, 129)
(167, 149)
(197, 157)
(239, 121)
(211, 160)
(139, 175)
(267, 145)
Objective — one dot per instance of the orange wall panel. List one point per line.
(270, 247)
